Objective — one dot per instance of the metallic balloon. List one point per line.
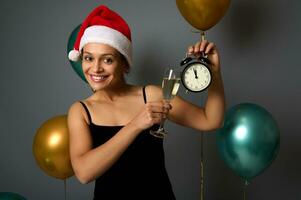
(77, 66)
(10, 196)
(249, 140)
(51, 148)
(203, 14)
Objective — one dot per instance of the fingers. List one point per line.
(190, 50)
(162, 103)
(209, 48)
(158, 110)
(161, 108)
(158, 116)
(202, 46)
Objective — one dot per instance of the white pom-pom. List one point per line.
(74, 55)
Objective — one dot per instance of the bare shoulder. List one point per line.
(77, 113)
(75, 108)
(153, 92)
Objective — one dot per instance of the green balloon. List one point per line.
(77, 66)
(249, 140)
(10, 196)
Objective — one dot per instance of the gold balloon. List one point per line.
(51, 148)
(203, 14)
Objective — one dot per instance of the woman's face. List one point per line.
(102, 65)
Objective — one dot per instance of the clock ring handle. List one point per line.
(204, 55)
(186, 60)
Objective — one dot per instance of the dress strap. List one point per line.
(87, 111)
(144, 95)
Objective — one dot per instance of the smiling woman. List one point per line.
(102, 64)
(109, 131)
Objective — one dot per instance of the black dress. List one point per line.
(139, 173)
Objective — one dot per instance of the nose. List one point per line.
(97, 67)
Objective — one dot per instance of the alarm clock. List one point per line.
(196, 75)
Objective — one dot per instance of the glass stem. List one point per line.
(162, 124)
(164, 119)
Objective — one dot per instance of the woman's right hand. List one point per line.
(152, 113)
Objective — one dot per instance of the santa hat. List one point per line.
(107, 27)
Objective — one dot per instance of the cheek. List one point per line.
(85, 67)
(112, 69)
(119, 71)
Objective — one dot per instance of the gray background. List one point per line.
(259, 43)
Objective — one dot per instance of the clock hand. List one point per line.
(195, 73)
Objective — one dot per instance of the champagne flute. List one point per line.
(170, 86)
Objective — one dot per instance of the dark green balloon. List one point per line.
(10, 196)
(77, 66)
(249, 140)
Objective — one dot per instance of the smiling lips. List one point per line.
(98, 78)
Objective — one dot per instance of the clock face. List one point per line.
(196, 77)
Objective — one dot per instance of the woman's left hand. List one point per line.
(209, 49)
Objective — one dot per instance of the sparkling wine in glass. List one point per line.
(170, 87)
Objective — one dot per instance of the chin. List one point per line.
(101, 86)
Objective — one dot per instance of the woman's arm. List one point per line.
(89, 163)
(211, 116)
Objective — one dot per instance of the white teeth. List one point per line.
(98, 78)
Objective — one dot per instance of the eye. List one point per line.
(108, 60)
(88, 58)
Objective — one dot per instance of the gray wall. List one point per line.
(259, 42)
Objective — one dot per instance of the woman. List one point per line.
(109, 131)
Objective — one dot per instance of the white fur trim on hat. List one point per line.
(74, 55)
(109, 36)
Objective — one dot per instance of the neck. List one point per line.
(112, 93)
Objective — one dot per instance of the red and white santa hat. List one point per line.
(104, 26)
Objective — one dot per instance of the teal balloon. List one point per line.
(77, 66)
(10, 196)
(249, 140)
